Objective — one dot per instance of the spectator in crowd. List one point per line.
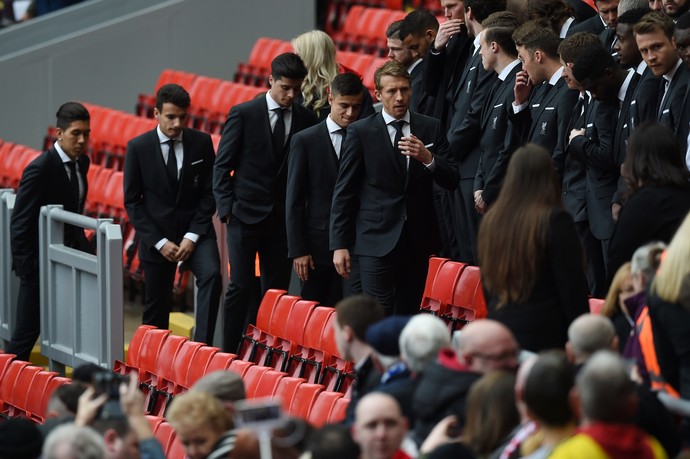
(254, 146)
(682, 37)
(607, 399)
(62, 406)
(660, 199)
(530, 255)
(675, 8)
(58, 176)
(200, 421)
(669, 311)
(557, 14)
(317, 51)
(656, 5)
(312, 172)
(84, 374)
(20, 439)
(604, 26)
(383, 198)
(379, 427)
(484, 346)
(614, 305)
(353, 316)
(71, 441)
(333, 441)
(418, 32)
(546, 394)
(170, 204)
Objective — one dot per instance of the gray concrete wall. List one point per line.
(109, 63)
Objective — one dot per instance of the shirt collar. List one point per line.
(504, 73)
(332, 126)
(389, 119)
(272, 104)
(413, 65)
(162, 138)
(669, 76)
(477, 42)
(61, 153)
(565, 27)
(624, 87)
(641, 67)
(556, 76)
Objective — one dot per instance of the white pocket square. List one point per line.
(197, 162)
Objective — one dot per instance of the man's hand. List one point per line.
(446, 431)
(479, 204)
(574, 133)
(302, 265)
(132, 403)
(615, 211)
(414, 148)
(341, 261)
(169, 251)
(445, 31)
(523, 87)
(88, 406)
(185, 249)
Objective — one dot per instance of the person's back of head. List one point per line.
(482, 9)
(353, 316)
(626, 5)
(644, 263)
(421, 340)
(588, 334)
(605, 391)
(119, 439)
(547, 390)
(226, 386)
(64, 400)
(552, 13)
(333, 441)
(384, 338)
(70, 441)
(20, 439)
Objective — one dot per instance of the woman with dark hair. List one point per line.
(655, 172)
(530, 255)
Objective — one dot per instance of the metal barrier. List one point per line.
(81, 294)
(9, 283)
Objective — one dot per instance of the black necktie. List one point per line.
(402, 159)
(74, 180)
(343, 135)
(171, 165)
(279, 135)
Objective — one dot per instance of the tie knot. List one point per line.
(280, 111)
(170, 143)
(398, 125)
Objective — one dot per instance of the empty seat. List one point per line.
(286, 390)
(36, 394)
(20, 391)
(439, 295)
(267, 385)
(54, 383)
(220, 361)
(132, 358)
(596, 305)
(202, 359)
(240, 367)
(468, 302)
(323, 406)
(251, 379)
(254, 338)
(304, 400)
(339, 410)
(308, 358)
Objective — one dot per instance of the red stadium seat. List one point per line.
(157, 382)
(443, 288)
(202, 359)
(468, 302)
(339, 410)
(154, 421)
(20, 391)
(132, 360)
(286, 390)
(165, 434)
(221, 361)
(304, 400)
(54, 383)
(240, 367)
(307, 360)
(267, 385)
(252, 377)
(7, 385)
(148, 353)
(323, 406)
(5, 361)
(36, 394)
(596, 305)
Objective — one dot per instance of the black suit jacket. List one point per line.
(591, 25)
(496, 143)
(547, 117)
(44, 181)
(373, 199)
(155, 209)
(464, 130)
(574, 185)
(257, 187)
(670, 109)
(312, 172)
(417, 76)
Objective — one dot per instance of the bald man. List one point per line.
(590, 333)
(379, 427)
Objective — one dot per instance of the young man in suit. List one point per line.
(169, 200)
(463, 133)
(499, 55)
(383, 201)
(312, 171)
(602, 24)
(543, 102)
(254, 147)
(58, 176)
(418, 31)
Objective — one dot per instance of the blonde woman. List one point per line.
(318, 53)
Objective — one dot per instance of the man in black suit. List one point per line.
(312, 171)
(496, 145)
(602, 24)
(254, 146)
(417, 32)
(169, 200)
(383, 201)
(543, 102)
(58, 176)
(463, 133)
(654, 37)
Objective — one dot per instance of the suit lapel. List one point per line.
(383, 134)
(544, 101)
(331, 158)
(474, 61)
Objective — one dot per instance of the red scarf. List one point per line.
(620, 441)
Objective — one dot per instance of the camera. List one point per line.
(261, 413)
(106, 382)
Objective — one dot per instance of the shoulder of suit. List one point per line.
(303, 112)
(419, 118)
(312, 131)
(148, 136)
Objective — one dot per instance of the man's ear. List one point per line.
(569, 352)
(377, 94)
(574, 400)
(347, 330)
(111, 438)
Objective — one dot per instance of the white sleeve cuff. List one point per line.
(159, 245)
(192, 237)
(518, 108)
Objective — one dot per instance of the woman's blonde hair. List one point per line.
(196, 408)
(675, 269)
(611, 305)
(317, 50)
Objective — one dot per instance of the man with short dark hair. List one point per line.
(58, 176)
(169, 200)
(397, 51)
(254, 147)
(603, 24)
(417, 32)
(312, 172)
(682, 37)
(675, 8)
(383, 200)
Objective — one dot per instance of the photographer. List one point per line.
(116, 410)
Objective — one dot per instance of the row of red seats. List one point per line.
(212, 98)
(166, 436)
(453, 292)
(363, 64)
(297, 336)
(255, 72)
(25, 389)
(169, 365)
(337, 10)
(364, 30)
(13, 159)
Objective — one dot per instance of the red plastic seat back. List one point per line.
(266, 308)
